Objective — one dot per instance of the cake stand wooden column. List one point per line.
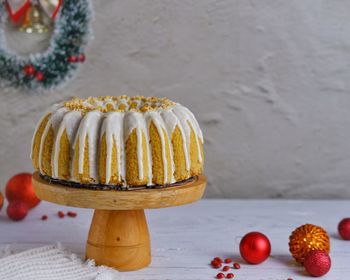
(118, 235)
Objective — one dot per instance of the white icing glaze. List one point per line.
(90, 127)
(118, 126)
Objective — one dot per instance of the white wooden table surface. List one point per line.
(186, 238)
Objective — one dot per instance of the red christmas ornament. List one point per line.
(39, 76)
(17, 210)
(29, 70)
(81, 57)
(317, 263)
(1, 200)
(73, 59)
(20, 187)
(255, 247)
(344, 229)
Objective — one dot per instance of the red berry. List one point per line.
(44, 217)
(17, 210)
(230, 275)
(236, 265)
(29, 70)
(81, 57)
(226, 268)
(228, 260)
(220, 275)
(60, 214)
(39, 76)
(71, 214)
(73, 59)
(218, 259)
(216, 264)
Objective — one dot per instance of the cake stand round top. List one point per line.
(120, 199)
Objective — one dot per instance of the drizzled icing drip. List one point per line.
(117, 118)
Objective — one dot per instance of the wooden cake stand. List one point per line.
(118, 235)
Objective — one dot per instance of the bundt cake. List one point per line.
(118, 141)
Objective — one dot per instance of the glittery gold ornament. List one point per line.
(307, 238)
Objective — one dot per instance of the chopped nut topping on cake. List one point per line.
(122, 103)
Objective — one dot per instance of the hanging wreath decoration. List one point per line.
(58, 63)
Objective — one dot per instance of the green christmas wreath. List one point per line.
(58, 63)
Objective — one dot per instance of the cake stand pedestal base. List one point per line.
(119, 238)
(118, 235)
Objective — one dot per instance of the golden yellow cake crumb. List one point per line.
(64, 157)
(179, 155)
(132, 160)
(37, 140)
(47, 153)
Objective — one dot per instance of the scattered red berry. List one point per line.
(71, 214)
(29, 70)
(60, 214)
(228, 260)
(17, 210)
(220, 275)
(290, 279)
(73, 59)
(218, 259)
(44, 217)
(226, 268)
(39, 76)
(230, 275)
(81, 57)
(236, 265)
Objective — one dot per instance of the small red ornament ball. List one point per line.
(29, 70)
(82, 57)
(255, 247)
(73, 59)
(20, 187)
(317, 263)
(39, 76)
(17, 210)
(344, 228)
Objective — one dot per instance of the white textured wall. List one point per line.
(268, 80)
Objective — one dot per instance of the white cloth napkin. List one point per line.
(50, 263)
